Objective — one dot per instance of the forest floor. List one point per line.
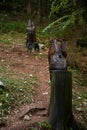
(27, 115)
(21, 60)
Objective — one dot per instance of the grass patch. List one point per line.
(18, 87)
(79, 83)
(7, 25)
(45, 125)
(12, 38)
(79, 99)
(15, 93)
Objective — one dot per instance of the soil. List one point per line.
(21, 60)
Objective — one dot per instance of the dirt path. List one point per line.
(30, 64)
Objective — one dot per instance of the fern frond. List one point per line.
(55, 22)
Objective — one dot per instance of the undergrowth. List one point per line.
(6, 25)
(15, 92)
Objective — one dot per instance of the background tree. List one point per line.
(32, 8)
(40, 8)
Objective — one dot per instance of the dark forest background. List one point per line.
(66, 14)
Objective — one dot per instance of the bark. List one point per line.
(60, 110)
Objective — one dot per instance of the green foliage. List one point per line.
(6, 41)
(33, 129)
(44, 125)
(66, 16)
(58, 26)
(7, 25)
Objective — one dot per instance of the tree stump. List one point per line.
(60, 109)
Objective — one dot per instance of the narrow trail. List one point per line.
(29, 64)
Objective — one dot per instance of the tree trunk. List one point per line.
(29, 7)
(60, 110)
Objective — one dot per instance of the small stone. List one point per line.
(26, 117)
(46, 93)
(40, 53)
(30, 75)
(85, 103)
(79, 97)
(1, 84)
(41, 46)
(2, 60)
(7, 94)
(49, 81)
(79, 109)
(0, 104)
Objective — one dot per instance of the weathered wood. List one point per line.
(31, 43)
(60, 110)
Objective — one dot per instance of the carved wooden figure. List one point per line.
(60, 108)
(31, 43)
